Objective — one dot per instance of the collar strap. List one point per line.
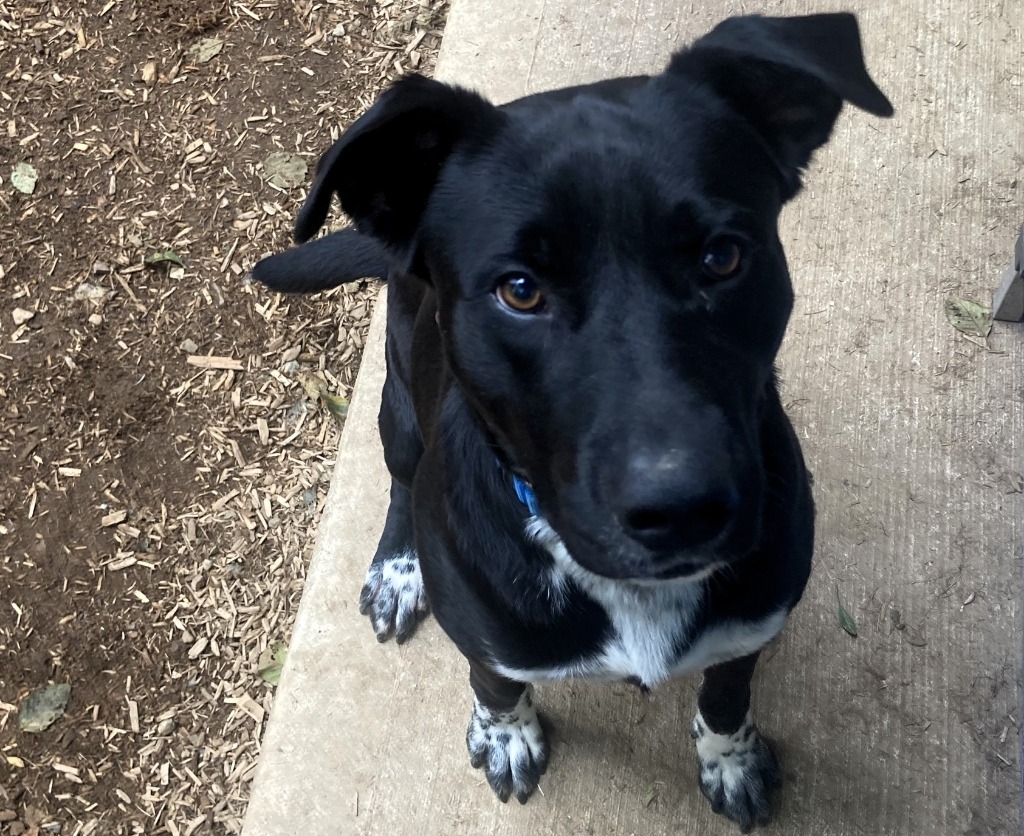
(524, 490)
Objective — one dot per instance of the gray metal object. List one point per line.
(1008, 300)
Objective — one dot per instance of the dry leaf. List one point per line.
(284, 170)
(24, 178)
(313, 385)
(43, 707)
(969, 317)
(271, 662)
(87, 292)
(205, 50)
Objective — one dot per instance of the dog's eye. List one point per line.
(520, 294)
(722, 258)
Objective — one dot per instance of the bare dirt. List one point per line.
(152, 510)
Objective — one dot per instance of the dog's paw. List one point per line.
(510, 747)
(393, 596)
(738, 772)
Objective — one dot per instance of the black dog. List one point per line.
(592, 471)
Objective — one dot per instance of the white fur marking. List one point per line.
(509, 743)
(738, 769)
(649, 621)
(398, 594)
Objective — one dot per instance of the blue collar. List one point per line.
(524, 490)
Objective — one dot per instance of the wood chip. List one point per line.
(248, 705)
(113, 518)
(67, 770)
(210, 361)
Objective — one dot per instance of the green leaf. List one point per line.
(166, 256)
(846, 622)
(337, 406)
(271, 662)
(284, 170)
(24, 177)
(845, 619)
(969, 317)
(205, 49)
(43, 707)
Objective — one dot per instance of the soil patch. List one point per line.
(154, 514)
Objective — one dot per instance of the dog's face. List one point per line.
(611, 289)
(612, 295)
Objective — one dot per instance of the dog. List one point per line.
(592, 472)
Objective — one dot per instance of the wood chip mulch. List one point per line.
(165, 444)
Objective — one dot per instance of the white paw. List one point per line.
(393, 596)
(509, 746)
(738, 772)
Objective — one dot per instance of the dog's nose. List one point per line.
(673, 501)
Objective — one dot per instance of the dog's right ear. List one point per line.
(385, 166)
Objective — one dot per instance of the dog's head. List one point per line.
(610, 285)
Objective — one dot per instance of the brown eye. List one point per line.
(520, 294)
(722, 258)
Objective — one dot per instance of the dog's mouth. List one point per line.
(618, 559)
(684, 569)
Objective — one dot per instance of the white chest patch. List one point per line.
(649, 622)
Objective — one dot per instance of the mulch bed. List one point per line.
(165, 436)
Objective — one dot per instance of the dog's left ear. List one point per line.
(788, 77)
(386, 164)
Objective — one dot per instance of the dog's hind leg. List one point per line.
(505, 737)
(738, 769)
(393, 595)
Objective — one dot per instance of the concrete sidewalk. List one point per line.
(913, 433)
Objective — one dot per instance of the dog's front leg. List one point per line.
(738, 769)
(505, 737)
(393, 596)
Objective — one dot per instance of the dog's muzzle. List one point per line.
(674, 502)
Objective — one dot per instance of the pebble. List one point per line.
(7, 815)
(21, 316)
(95, 319)
(189, 346)
(165, 727)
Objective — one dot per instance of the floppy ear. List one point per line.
(343, 256)
(788, 77)
(385, 166)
